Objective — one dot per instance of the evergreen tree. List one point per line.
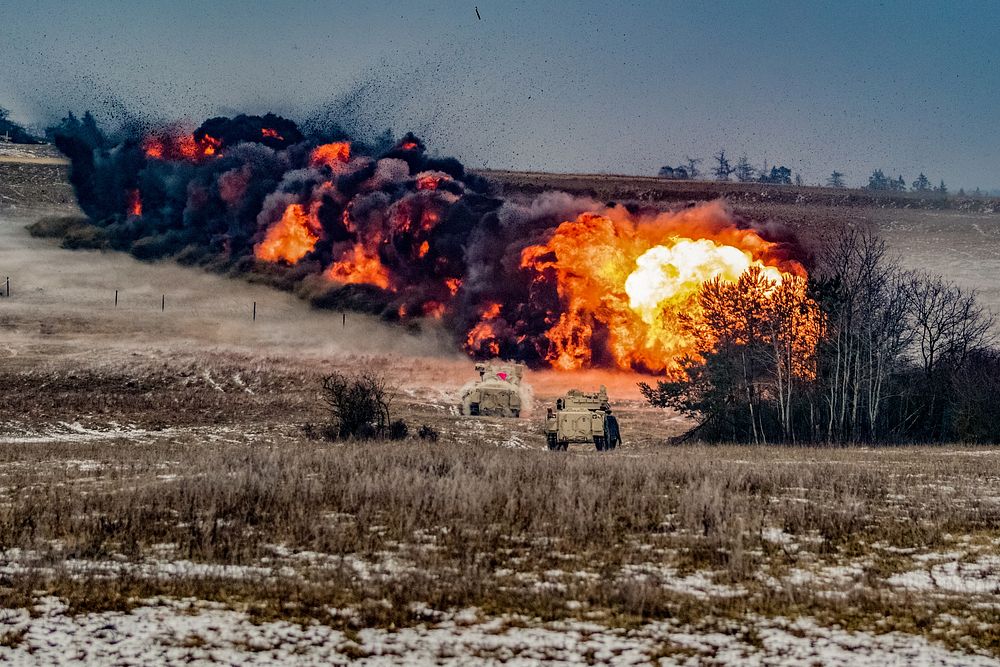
(878, 181)
(922, 184)
(744, 170)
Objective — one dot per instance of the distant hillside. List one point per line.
(651, 189)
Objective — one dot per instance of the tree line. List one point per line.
(862, 352)
(14, 132)
(724, 169)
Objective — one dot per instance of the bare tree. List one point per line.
(756, 342)
(723, 169)
(794, 328)
(692, 166)
(948, 322)
(950, 328)
(867, 332)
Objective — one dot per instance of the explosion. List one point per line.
(630, 282)
(291, 238)
(669, 276)
(179, 146)
(357, 266)
(552, 280)
(336, 152)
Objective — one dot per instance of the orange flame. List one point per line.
(291, 238)
(134, 203)
(209, 145)
(188, 147)
(430, 181)
(153, 147)
(639, 279)
(337, 152)
(434, 309)
(409, 145)
(169, 145)
(359, 267)
(270, 133)
(483, 336)
(453, 284)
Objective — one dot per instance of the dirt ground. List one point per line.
(71, 355)
(163, 497)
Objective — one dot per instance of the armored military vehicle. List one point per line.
(498, 391)
(582, 417)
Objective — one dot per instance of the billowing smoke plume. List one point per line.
(554, 280)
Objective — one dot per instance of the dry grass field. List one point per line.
(164, 498)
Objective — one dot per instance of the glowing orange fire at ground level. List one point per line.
(291, 238)
(628, 287)
(359, 267)
(180, 146)
(134, 203)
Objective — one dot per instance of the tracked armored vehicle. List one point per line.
(582, 417)
(497, 393)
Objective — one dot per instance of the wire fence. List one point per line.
(144, 300)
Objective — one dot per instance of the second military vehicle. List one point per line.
(582, 417)
(498, 391)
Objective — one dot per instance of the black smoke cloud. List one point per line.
(449, 246)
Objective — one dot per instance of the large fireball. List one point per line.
(627, 284)
(668, 276)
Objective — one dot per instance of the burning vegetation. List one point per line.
(554, 281)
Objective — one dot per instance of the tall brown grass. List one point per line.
(448, 523)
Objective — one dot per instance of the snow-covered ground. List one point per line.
(185, 632)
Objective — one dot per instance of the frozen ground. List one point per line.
(146, 453)
(190, 632)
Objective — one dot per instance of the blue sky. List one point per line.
(583, 86)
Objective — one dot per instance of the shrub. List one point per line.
(427, 432)
(56, 226)
(83, 237)
(359, 406)
(398, 430)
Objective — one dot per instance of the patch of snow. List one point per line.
(165, 632)
(15, 562)
(71, 432)
(514, 441)
(699, 584)
(776, 536)
(836, 575)
(978, 577)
